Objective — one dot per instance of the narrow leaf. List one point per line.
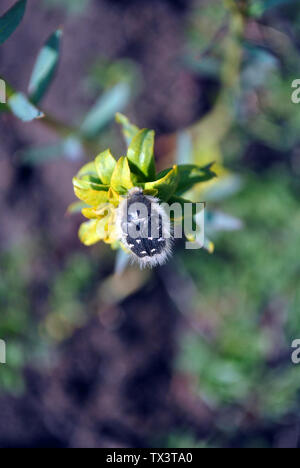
(190, 175)
(105, 109)
(141, 154)
(45, 67)
(128, 129)
(11, 20)
(121, 180)
(22, 108)
(105, 164)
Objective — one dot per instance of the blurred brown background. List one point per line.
(98, 360)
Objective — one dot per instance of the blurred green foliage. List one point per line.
(30, 335)
(68, 298)
(179, 440)
(249, 311)
(246, 310)
(16, 324)
(105, 74)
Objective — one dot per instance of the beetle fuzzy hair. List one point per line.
(146, 251)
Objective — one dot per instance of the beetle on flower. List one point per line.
(123, 200)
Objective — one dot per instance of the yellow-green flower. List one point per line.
(101, 184)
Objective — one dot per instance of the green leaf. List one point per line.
(190, 175)
(11, 20)
(88, 169)
(45, 67)
(151, 192)
(105, 164)
(128, 129)
(89, 192)
(23, 109)
(105, 109)
(121, 180)
(89, 173)
(90, 184)
(141, 154)
(166, 185)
